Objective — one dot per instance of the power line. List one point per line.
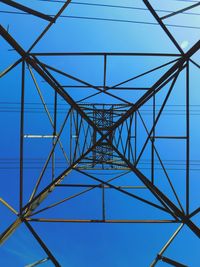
(38, 108)
(117, 6)
(108, 19)
(128, 21)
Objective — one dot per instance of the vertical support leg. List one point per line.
(54, 134)
(187, 139)
(71, 114)
(135, 152)
(153, 140)
(103, 203)
(105, 72)
(22, 137)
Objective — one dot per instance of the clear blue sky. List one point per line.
(97, 245)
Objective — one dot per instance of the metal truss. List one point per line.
(102, 136)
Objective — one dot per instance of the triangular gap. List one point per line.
(123, 206)
(145, 114)
(156, 99)
(174, 113)
(99, 97)
(19, 249)
(183, 26)
(141, 120)
(140, 136)
(140, 85)
(169, 177)
(169, 95)
(89, 90)
(89, 68)
(144, 160)
(18, 24)
(113, 176)
(128, 179)
(137, 71)
(82, 204)
(130, 96)
(77, 190)
(116, 31)
(74, 88)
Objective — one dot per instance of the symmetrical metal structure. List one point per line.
(107, 133)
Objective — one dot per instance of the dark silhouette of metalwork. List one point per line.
(102, 136)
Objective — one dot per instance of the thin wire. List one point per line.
(118, 6)
(108, 19)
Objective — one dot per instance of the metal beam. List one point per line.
(157, 18)
(166, 245)
(96, 221)
(180, 11)
(42, 244)
(172, 262)
(160, 196)
(111, 54)
(21, 178)
(27, 10)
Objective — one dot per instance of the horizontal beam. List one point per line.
(39, 136)
(100, 186)
(98, 221)
(170, 137)
(104, 54)
(106, 87)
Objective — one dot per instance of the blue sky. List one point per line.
(98, 245)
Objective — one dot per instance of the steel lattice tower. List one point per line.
(104, 132)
